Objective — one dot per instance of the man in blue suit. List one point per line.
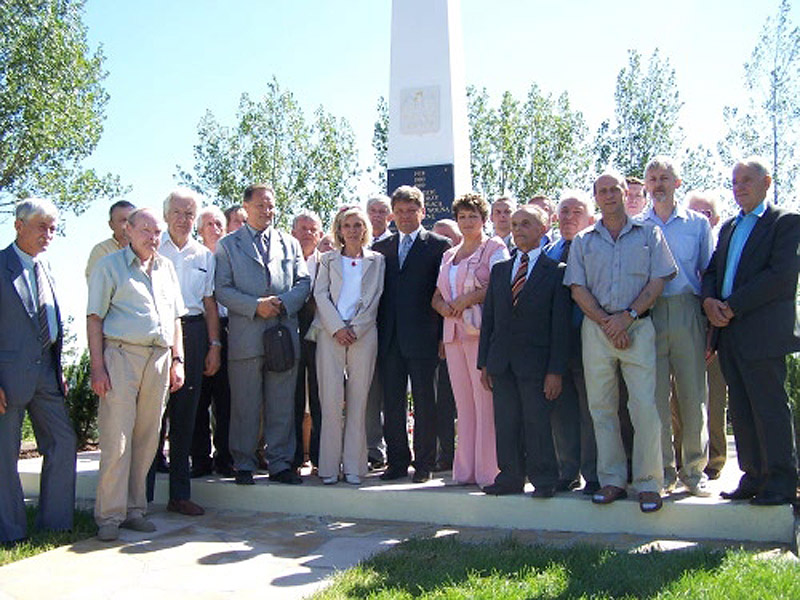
(31, 378)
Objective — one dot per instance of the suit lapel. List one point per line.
(537, 273)
(722, 252)
(759, 232)
(335, 267)
(416, 247)
(248, 246)
(17, 278)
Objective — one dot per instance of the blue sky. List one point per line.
(170, 61)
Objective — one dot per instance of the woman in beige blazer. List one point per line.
(347, 291)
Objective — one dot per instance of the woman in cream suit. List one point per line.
(347, 291)
(461, 288)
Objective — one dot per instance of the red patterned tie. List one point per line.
(519, 278)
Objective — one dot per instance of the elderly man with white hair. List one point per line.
(30, 377)
(194, 266)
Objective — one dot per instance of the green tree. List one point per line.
(700, 169)
(52, 105)
(768, 123)
(309, 165)
(480, 117)
(647, 107)
(380, 145)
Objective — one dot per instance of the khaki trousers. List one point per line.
(128, 421)
(638, 365)
(680, 352)
(344, 402)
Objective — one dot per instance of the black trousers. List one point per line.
(761, 419)
(215, 397)
(524, 435)
(182, 410)
(396, 370)
(307, 381)
(445, 415)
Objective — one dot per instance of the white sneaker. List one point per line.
(699, 489)
(330, 480)
(352, 479)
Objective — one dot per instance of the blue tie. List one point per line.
(405, 246)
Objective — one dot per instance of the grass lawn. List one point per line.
(42, 541)
(447, 569)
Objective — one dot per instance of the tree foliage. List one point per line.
(647, 107)
(51, 105)
(310, 165)
(768, 123)
(380, 145)
(526, 148)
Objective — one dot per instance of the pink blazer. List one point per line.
(477, 263)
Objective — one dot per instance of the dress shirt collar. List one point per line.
(166, 238)
(413, 235)
(603, 231)
(26, 259)
(254, 233)
(757, 212)
(679, 212)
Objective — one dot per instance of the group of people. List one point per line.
(582, 355)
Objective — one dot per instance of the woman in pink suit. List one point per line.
(347, 290)
(460, 291)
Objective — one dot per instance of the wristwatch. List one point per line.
(177, 359)
(632, 312)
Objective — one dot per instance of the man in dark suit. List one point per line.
(749, 294)
(408, 335)
(523, 354)
(261, 278)
(31, 378)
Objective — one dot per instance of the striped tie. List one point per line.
(43, 296)
(519, 278)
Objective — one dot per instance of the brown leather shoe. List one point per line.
(185, 507)
(650, 502)
(608, 494)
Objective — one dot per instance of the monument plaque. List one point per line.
(436, 183)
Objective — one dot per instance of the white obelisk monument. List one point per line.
(428, 128)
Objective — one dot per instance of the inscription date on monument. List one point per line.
(436, 183)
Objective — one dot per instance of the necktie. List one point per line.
(519, 278)
(565, 252)
(405, 246)
(262, 244)
(43, 298)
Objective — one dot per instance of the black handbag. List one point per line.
(278, 349)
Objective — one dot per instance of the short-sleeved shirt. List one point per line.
(100, 250)
(688, 235)
(615, 272)
(136, 308)
(194, 265)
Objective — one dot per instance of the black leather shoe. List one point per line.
(543, 492)
(244, 478)
(770, 499)
(200, 471)
(393, 473)
(376, 464)
(225, 470)
(499, 490)
(590, 488)
(739, 494)
(421, 476)
(287, 476)
(566, 485)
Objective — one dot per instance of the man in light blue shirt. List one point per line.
(680, 328)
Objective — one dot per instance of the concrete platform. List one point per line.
(441, 502)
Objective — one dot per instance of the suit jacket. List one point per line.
(328, 287)
(405, 311)
(533, 336)
(763, 299)
(20, 348)
(240, 280)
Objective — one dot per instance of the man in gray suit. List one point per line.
(31, 378)
(262, 280)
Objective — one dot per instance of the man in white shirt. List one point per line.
(194, 266)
